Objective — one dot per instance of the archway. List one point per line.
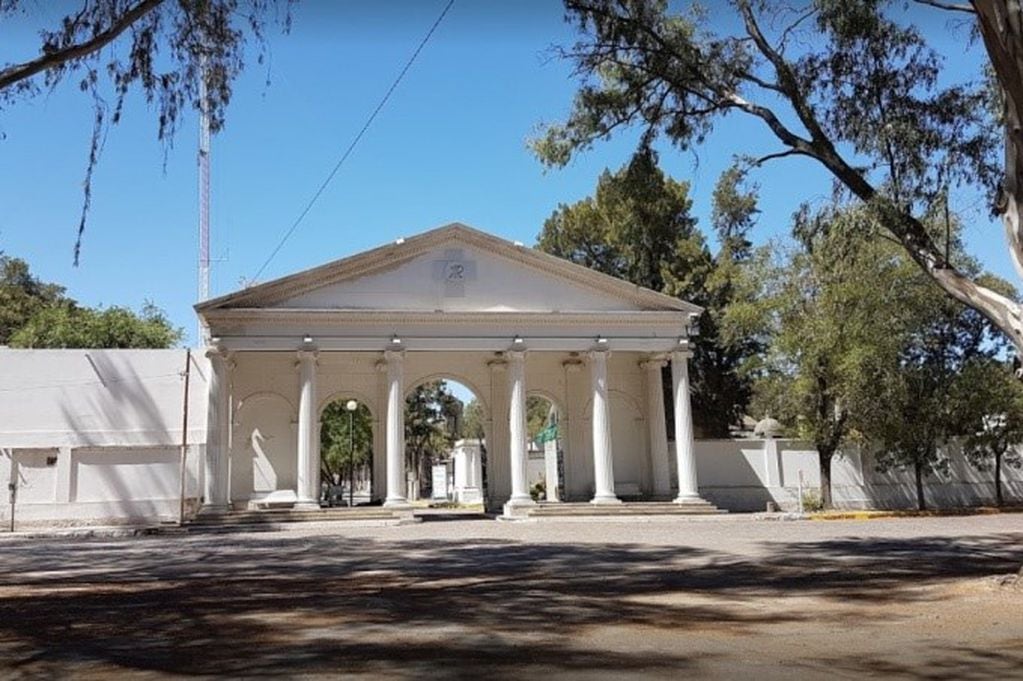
(346, 452)
(446, 433)
(263, 451)
(545, 472)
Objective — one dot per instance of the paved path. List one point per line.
(709, 598)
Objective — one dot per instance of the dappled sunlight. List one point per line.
(285, 603)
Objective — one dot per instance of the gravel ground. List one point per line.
(727, 597)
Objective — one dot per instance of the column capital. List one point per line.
(516, 355)
(654, 362)
(306, 356)
(213, 352)
(681, 354)
(573, 364)
(393, 356)
(598, 354)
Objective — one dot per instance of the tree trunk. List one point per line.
(1001, 28)
(998, 479)
(824, 460)
(918, 470)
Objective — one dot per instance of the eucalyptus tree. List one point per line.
(991, 401)
(918, 410)
(853, 86)
(168, 51)
(831, 306)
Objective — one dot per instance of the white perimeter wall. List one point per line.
(96, 434)
(740, 475)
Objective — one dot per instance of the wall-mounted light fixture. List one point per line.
(395, 340)
(517, 340)
(307, 339)
(601, 340)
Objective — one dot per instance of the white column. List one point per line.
(518, 440)
(215, 490)
(658, 429)
(308, 459)
(395, 438)
(603, 459)
(684, 454)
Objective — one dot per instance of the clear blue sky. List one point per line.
(450, 146)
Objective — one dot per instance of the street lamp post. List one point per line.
(351, 406)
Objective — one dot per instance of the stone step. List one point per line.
(625, 509)
(291, 516)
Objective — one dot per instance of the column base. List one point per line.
(214, 509)
(688, 499)
(397, 503)
(518, 507)
(306, 505)
(605, 500)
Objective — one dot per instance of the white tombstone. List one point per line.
(550, 457)
(440, 482)
(468, 472)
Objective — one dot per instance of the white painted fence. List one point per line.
(743, 475)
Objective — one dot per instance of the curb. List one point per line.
(937, 513)
(90, 532)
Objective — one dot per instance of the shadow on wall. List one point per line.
(128, 404)
(249, 606)
(739, 475)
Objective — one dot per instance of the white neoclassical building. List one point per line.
(453, 303)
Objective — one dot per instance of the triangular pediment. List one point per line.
(451, 269)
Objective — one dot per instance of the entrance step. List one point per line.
(266, 519)
(628, 508)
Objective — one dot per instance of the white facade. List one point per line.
(454, 303)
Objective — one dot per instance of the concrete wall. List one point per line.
(96, 434)
(743, 475)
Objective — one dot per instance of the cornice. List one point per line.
(276, 316)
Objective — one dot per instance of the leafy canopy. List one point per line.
(852, 85)
(36, 314)
(164, 50)
(637, 226)
(341, 446)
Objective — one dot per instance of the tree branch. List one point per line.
(781, 154)
(950, 6)
(19, 72)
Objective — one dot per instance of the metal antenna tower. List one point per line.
(204, 190)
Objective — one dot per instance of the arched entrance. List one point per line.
(446, 435)
(346, 452)
(546, 467)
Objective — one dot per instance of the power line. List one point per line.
(355, 141)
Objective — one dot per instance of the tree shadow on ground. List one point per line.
(249, 606)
